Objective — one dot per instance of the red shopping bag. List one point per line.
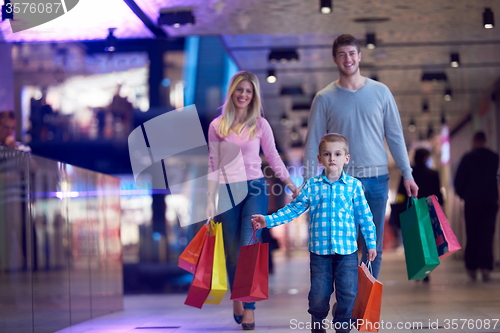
(200, 287)
(191, 254)
(368, 302)
(446, 241)
(251, 281)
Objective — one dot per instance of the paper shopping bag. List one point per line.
(219, 274)
(418, 240)
(200, 287)
(252, 273)
(368, 302)
(446, 241)
(191, 254)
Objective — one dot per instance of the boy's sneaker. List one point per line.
(318, 330)
(317, 327)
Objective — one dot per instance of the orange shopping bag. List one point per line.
(368, 302)
(191, 254)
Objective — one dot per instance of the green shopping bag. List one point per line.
(418, 239)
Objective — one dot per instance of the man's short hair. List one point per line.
(344, 40)
(334, 137)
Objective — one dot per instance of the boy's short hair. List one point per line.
(344, 40)
(334, 137)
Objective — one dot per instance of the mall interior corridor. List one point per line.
(450, 302)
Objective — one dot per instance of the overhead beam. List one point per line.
(158, 32)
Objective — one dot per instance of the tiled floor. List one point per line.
(448, 303)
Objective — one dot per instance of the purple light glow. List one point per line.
(89, 20)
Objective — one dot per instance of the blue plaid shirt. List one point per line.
(336, 211)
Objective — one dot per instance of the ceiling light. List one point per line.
(412, 127)
(447, 94)
(7, 11)
(430, 130)
(295, 137)
(284, 120)
(325, 6)
(455, 60)
(305, 122)
(370, 41)
(271, 76)
(283, 55)
(110, 41)
(176, 17)
(425, 106)
(488, 18)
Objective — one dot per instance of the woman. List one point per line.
(235, 139)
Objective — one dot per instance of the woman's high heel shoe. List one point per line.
(238, 319)
(238, 307)
(248, 327)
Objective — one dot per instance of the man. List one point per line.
(476, 183)
(365, 112)
(7, 128)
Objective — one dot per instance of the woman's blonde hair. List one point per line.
(254, 110)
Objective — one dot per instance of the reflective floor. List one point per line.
(448, 303)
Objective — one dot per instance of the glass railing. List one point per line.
(60, 249)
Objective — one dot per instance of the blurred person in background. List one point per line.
(428, 183)
(7, 129)
(476, 183)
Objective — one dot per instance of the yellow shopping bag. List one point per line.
(219, 274)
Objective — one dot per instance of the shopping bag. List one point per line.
(219, 274)
(191, 254)
(368, 301)
(418, 239)
(252, 273)
(200, 287)
(446, 241)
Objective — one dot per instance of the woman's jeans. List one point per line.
(236, 223)
(376, 193)
(328, 273)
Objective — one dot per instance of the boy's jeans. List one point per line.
(328, 271)
(236, 224)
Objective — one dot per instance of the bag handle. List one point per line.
(411, 201)
(369, 266)
(253, 238)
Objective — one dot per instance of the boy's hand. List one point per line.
(372, 253)
(258, 221)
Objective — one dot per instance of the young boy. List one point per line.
(338, 206)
